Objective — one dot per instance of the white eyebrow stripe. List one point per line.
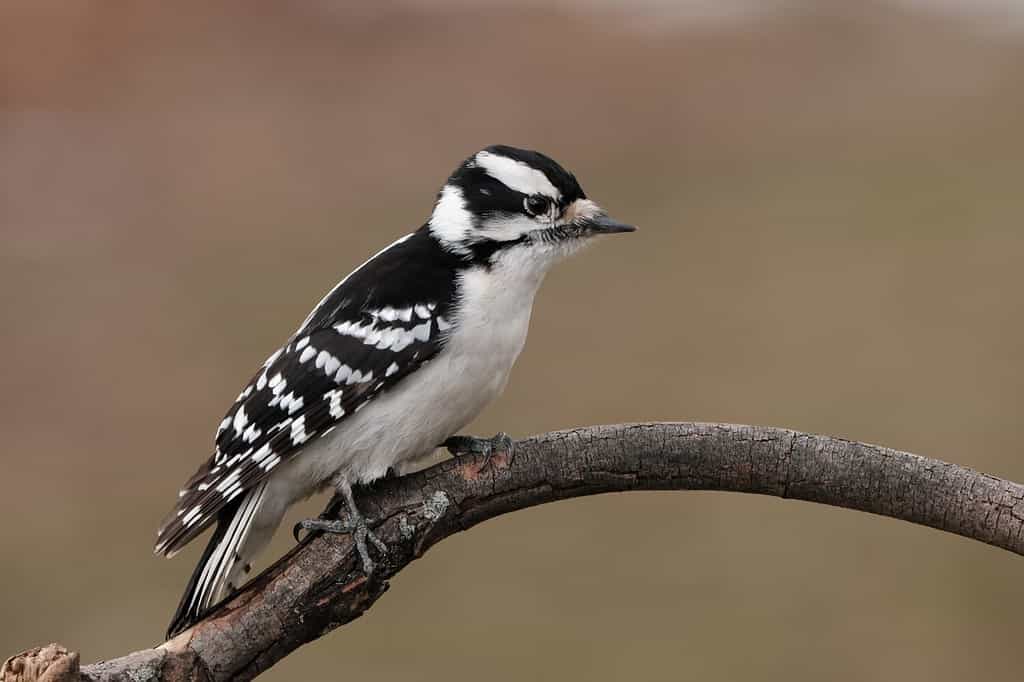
(516, 175)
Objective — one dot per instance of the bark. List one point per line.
(318, 586)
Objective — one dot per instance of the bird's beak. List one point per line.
(602, 224)
(591, 219)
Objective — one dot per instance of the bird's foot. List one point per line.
(354, 525)
(498, 444)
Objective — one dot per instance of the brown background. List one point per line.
(831, 239)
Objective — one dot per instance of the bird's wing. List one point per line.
(351, 348)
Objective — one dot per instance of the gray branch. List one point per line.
(318, 586)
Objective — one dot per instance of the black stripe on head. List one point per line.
(486, 194)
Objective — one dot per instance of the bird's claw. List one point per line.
(355, 525)
(500, 443)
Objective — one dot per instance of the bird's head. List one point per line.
(503, 198)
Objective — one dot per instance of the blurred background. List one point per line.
(830, 202)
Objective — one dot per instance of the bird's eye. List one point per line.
(537, 204)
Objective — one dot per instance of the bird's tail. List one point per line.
(225, 561)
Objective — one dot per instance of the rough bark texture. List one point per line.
(318, 586)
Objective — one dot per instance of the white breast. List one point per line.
(491, 320)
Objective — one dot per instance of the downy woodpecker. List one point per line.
(395, 360)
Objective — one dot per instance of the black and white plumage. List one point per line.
(399, 356)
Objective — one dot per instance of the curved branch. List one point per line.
(318, 586)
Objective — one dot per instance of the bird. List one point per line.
(390, 365)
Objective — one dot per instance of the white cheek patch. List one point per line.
(451, 221)
(516, 175)
(509, 228)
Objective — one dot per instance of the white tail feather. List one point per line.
(213, 584)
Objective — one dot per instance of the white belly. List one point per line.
(435, 402)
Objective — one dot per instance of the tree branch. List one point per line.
(318, 585)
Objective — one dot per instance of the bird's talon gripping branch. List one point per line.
(500, 443)
(321, 525)
(355, 525)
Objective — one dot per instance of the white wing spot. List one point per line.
(333, 398)
(299, 435)
(241, 419)
(332, 365)
(230, 492)
(228, 481)
(261, 454)
(421, 332)
(402, 341)
(387, 337)
(273, 357)
(392, 368)
(192, 516)
(288, 400)
(353, 329)
(307, 354)
(251, 433)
